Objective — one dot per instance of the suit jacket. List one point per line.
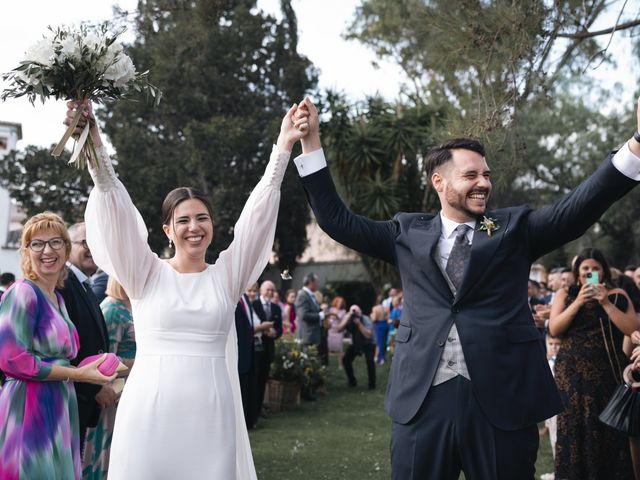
(99, 285)
(244, 329)
(276, 317)
(84, 311)
(308, 318)
(505, 358)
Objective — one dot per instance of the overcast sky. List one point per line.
(343, 65)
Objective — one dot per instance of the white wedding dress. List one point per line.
(180, 415)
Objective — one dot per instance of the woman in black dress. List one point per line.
(592, 319)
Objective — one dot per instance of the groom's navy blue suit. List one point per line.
(511, 384)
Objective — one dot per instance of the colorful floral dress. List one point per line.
(39, 436)
(121, 342)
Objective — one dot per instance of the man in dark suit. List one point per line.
(268, 313)
(84, 311)
(469, 379)
(309, 314)
(246, 370)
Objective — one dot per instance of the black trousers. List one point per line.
(248, 392)
(450, 433)
(262, 367)
(350, 355)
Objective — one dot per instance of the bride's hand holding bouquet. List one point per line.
(83, 65)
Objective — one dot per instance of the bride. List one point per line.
(180, 415)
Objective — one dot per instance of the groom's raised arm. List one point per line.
(374, 238)
(569, 217)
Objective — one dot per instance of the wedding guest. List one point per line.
(168, 427)
(592, 319)
(360, 328)
(335, 338)
(39, 436)
(387, 302)
(380, 319)
(629, 270)
(99, 281)
(553, 347)
(394, 319)
(309, 314)
(261, 353)
(289, 313)
(116, 308)
(323, 348)
(567, 279)
(6, 280)
(84, 311)
(246, 352)
(277, 299)
(269, 314)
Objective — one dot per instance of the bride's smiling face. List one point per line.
(191, 228)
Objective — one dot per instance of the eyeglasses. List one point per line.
(81, 242)
(56, 243)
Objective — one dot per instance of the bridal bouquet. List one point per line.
(84, 64)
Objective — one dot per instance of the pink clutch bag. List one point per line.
(110, 365)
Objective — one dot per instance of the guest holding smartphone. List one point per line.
(592, 317)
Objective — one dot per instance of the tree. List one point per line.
(511, 74)
(38, 183)
(228, 74)
(487, 58)
(376, 150)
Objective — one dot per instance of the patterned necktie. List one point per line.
(459, 256)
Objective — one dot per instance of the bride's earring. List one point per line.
(170, 244)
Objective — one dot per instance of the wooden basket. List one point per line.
(282, 396)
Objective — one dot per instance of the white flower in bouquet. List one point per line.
(120, 72)
(42, 52)
(88, 63)
(71, 49)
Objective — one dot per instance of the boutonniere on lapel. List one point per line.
(489, 225)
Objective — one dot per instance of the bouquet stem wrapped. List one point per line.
(88, 63)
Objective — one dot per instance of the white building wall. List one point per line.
(10, 133)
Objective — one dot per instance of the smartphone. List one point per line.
(593, 277)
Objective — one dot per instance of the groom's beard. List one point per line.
(462, 201)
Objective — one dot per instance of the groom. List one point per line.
(469, 379)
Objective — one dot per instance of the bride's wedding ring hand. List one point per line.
(87, 115)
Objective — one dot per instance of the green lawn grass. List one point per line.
(343, 435)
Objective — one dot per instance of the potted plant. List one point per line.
(287, 375)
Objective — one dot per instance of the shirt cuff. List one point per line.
(309, 163)
(627, 163)
(321, 315)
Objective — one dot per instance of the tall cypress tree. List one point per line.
(228, 73)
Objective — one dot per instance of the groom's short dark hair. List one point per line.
(441, 154)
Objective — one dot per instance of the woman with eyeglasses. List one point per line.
(180, 415)
(39, 435)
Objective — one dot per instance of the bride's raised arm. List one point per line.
(254, 231)
(116, 233)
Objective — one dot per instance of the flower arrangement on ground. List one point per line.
(297, 363)
(88, 63)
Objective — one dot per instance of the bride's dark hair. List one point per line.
(178, 195)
